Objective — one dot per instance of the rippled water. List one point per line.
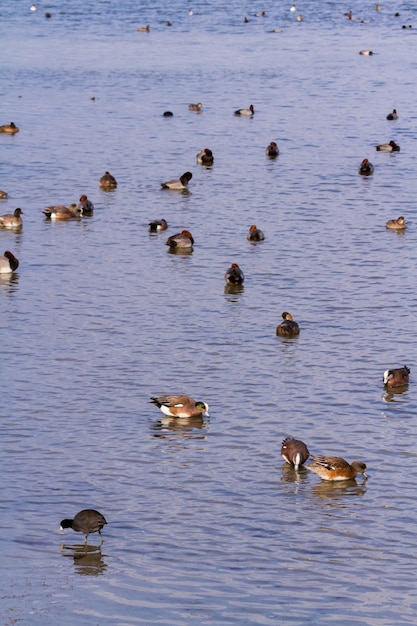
(207, 525)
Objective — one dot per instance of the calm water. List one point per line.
(206, 523)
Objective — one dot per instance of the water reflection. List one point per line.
(180, 426)
(9, 282)
(390, 394)
(88, 559)
(334, 490)
(290, 475)
(233, 290)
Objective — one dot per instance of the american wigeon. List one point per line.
(12, 220)
(250, 111)
(10, 129)
(144, 29)
(86, 521)
(205, 157)
(255, 234)
(234, 275)
(157, 225)
(86, 205)
(288, 328)
(393, 115)
(8, 263)
(336, 468)
(398, 224)
(182, 240)
(61, 212)
(366, 53)
(294, 452)
(107, 181)
(3, 194)
(388, 147)
(178, 183)
(398, 377)
(178, 405)
(366, 168)
(272, 150)
(195, 107)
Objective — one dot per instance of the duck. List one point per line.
(272, 150)
(86, 205)
(366, 53)
(294, 452)
(195, 107)
(393, 115)
(366, 168)
(182, 240)
(250, 111)
(12, 220)
(10, 129)
(178, 183)
(205, 157)
(398, 377)
(107, 181)
(287, 328)
(336, 468)
(86, 521)
(157, 225)
(167, 114)
(8, 263)
(178, 405)
(234, 275)
(255, 234)
(3, 194)
(144, 29)
(388, 147)
(61, 212)
(398, 224)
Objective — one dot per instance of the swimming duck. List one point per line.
(87, 521)
(288, 328)
(234, 275)
(255, 234)
(178, 183)
(272, 150)
(86, 205)
(107, 181)
(205, 157)
(180, 406)
(167, 114)
(157, 225)
(366, 168)
(11, 220)
(8, 263)
(60, 212)
(144, 29)
(3, 194)
(10, 129)
(294, 452)
(393, 115)
(388, 147)
(182, 240)
(398, 377)
(250, 111)
(366, 53)
(336, 468)
(195, 107)
(398, 224)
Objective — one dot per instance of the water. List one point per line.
(206, 523)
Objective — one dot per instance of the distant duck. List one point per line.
(299, 18)
(144, 29)
(366, 168)
(61, 212)
(255, 234)
(167, 114)
(205, 157)
(276, 30)
(3, 194)
(33, 7)
(178, 183)
(245, 20)
(250, 111)
(388, 147)
(157, 225)
(87, 521)
(183, 241)
(177, 405)
(107, 181)
(8, 263)
(407, 26)
(288, 328)
(234, 275)
(272, 150)
(293, 8)
(11, 220)
(366, 53)
(48, 15)
(260, 14)
(398, 224)
(10, 129)
(294, 452)
(377, 7)
(195, 107)
(336, 468)
(393, 115)
(86, 205)
(398, 377)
